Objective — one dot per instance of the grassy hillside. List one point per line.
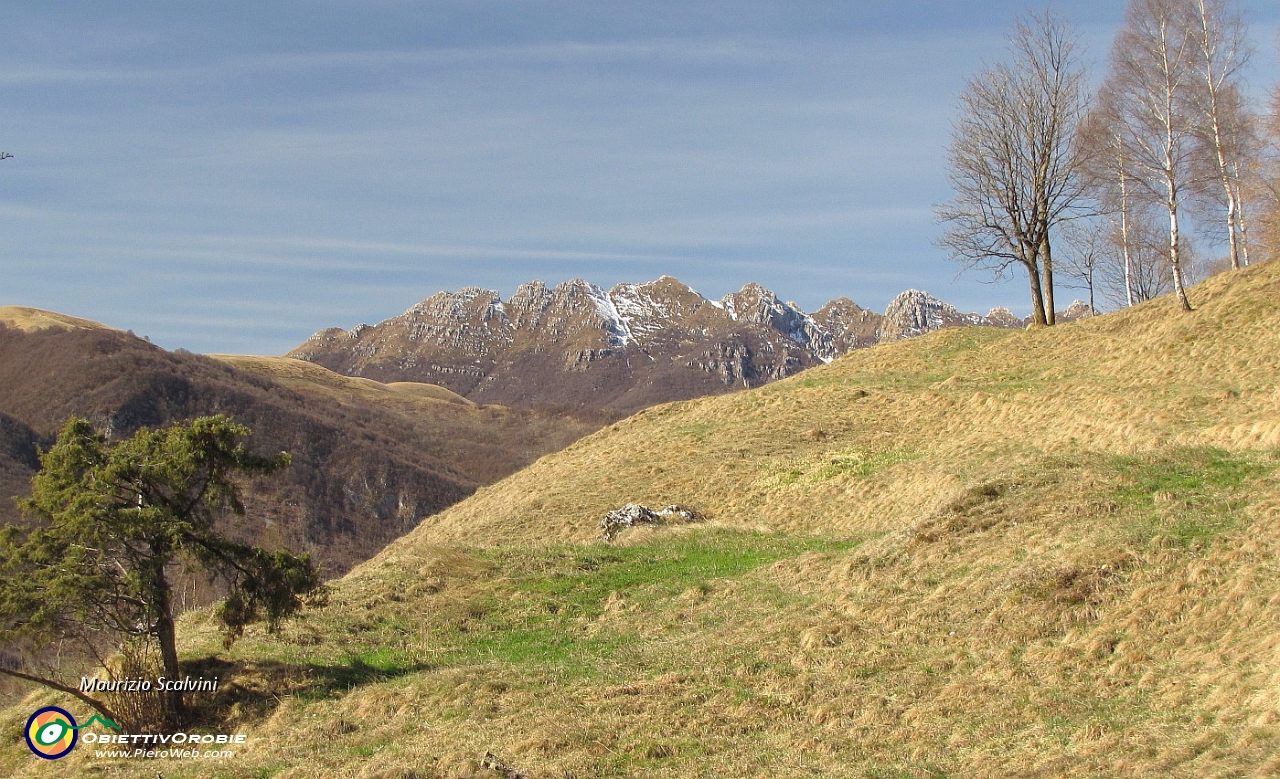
(902, 430)
(302, 374)
(977, 553)
(34, 320)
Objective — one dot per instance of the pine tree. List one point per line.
(114, 523)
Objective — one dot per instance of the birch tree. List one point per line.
(1224, 132)
(1153, 79)
(1012, 162)
(1104, 151)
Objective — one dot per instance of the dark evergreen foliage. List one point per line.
(113, 524)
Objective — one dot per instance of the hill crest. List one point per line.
(979, 552)
(32, 320)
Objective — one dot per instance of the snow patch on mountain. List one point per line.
(615, 324)
(656, 306)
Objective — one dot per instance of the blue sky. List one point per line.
(233, 176)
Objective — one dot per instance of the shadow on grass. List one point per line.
(251, 690)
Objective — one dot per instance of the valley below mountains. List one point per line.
(370, 460)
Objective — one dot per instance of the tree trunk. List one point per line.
(1173, 193)
(1128, 258)
(1038, 317)
(1124, 229)
(1242, 221)
(175, 709)
(1175, 259)
(1233, 218)
(1050, 312)
(166, 636)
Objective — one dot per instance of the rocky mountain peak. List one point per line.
(915, 312)
(1003, 317)
(455, 304)
(752, 303)
(1077, 310)
(755, 304)
(666, 294)
(655, 307)
(851, 326)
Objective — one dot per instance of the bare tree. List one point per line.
(1262, 183)
(1120, 262)
(1088, 248)
(1153, 78)
(1141, 272)
(1105, 161)
(1224, 130)
(1011, 159)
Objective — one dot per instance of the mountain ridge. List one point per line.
(621, 349)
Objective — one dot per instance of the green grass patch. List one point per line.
(571, 654)
(537, 610)
(1189, 496)
(575, 581)
(862, 463)
(380, 661)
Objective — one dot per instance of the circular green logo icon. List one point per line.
(51, 733)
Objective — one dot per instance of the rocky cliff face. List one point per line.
(622, 349)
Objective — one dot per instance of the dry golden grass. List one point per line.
(979, 553)
(951, 406)
(31, 320)
(300, 373)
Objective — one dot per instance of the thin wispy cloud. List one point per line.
(187, 163)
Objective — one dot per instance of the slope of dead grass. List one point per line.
(929, 417)
(979, 553)
(300, 373)
(32, 320)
